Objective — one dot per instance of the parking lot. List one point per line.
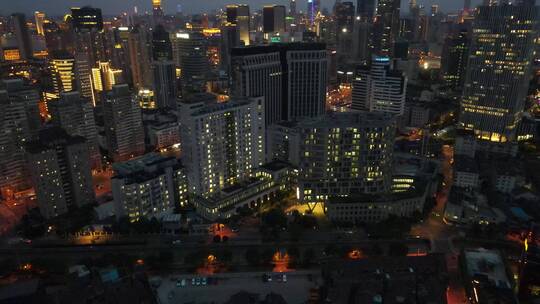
(294, 286)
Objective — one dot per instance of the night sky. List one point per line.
(60, 7)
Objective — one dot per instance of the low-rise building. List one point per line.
(466, 173)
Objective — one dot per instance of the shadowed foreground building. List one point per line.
(148, 186)
(60, 171)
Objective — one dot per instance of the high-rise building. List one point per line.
(23, 37)
(498, 70)
(161, 44)
(19, 123)
(344, 18)
(366, 8)
(454, 58)
(189, 54)
(292, 77)
(344, 154)
(157, 12)
(379, 88)
(313, 9)
(62, 66)
(149, 186)
(222, 143)
(124, 130)
(60, 172)
(386, 26)
(230, 38)
(274, 19)
(40, 20)
(140, 50)
(83, 76)
(165, 84)
(292, 9)
(239, 16)
(75, 114)
(86, 18)
(104, 77)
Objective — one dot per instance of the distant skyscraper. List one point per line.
(379, 88)
(498, 70)
(124, 130)
(386, 26)
(75, 114)
(60, 171)
(165, 85)
(292, 77)
(62, 66)
(161, 44)
(40, 19)
(313, 8)
(189, 54)
(157, 12)
(454, 58)
(222, 143)
(86, 18)
(365, 9)
(140, 50)
(239, 16)
(19, 123)
(83, 70)
(274, 19)
(23, 37)
(292, 8)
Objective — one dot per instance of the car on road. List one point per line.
(176, 242)
(203, 281)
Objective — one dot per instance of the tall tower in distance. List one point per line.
(40, 19)
(157, 12)
(498, 71)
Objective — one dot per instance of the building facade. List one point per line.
(148, 186)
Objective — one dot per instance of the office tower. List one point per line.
(23, 37)
(379, 88)
(19, 123)
(124, 130)
(230, 38)
(40, 20)
(344, 154)
(365, 8)
(240, 17)
(149, 186)
(313, 8)
(344, 18)
(292, 9)
(165, 85)
(386, 26)
(62, 67)
(454, 58)
(222, 143)
(87, 23)
(295, 90)
(189, 54)
(498, 70)
(104, 78)
(161, 44)
(60, 171)
(83, 70)
(75, 114)
(157, 12)
(529, 267)
(274, 19)
(86, 18)
(140, 50)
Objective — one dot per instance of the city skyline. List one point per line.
(60, 7)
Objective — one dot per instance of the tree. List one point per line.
(308, 257)
(253, 256)
(398, 249)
